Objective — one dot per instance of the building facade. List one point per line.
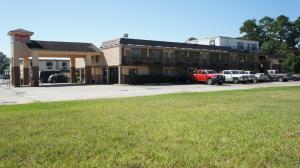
(234, 43)
(146, 61)
(123, 60)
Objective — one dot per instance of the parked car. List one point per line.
(259, 77)
(275, 75)
(237, 76)
(208, 76)
(44, 75)
(58, 78)
(6, 77)
(296, 77)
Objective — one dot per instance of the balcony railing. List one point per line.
(167, 61)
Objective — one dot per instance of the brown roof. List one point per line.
(19, 31)
(61, 46)
(128, 41)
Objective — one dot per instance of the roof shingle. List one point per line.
(127, 41)
(61, 46)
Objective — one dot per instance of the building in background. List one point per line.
(48, 66)
(234, 43)
(51, 64)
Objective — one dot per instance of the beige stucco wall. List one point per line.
(110, 56)
(97, 71)
(79, 63)
(142, 70)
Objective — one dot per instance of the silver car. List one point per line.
(236, 76)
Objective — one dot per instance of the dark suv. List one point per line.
(58, 78)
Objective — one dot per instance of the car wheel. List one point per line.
(209, 82)
(280, 79)
(235, 80)
(255, 80)
(220, 83)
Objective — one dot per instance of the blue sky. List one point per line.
(99, 20)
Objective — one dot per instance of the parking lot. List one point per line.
(60, 92)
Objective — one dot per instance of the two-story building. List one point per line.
(126, 60)
(123, 60)
(234, 43)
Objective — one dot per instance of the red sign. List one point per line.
(22, 37)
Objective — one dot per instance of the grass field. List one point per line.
(249, 128)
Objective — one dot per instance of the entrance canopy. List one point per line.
(24, 47)
(61, 49)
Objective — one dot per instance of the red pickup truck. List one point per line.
(208, 76)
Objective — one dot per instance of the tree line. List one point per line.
(276, 36)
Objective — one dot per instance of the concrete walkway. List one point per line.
(11, 95)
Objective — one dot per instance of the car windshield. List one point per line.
(211, 72)
(251, 72)
(236, 72)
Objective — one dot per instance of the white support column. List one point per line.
(119, 74)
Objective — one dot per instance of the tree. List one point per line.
(279, 36)
(4, 62)
(251, 29)
(292, 63)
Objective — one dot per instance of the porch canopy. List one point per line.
(23, 47)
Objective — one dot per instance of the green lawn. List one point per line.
(249, 128)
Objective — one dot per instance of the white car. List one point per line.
(237, 76)
(258, 76)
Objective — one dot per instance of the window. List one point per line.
(195, 57)
(49, 63)
(226, 72)
(172, 72)
(214, 58)
(236, 72)
(143, 53)
(135, 54)
(168, 71)
(253, 47)
(97, 58)
(156, 55)
(64, 64)
(211, 72)
(127, 53)
(133, 72)
(127, 56)
(240, 45)
(225, 58)
(180, 56)
(248, 47)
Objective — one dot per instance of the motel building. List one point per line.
(123, 60)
